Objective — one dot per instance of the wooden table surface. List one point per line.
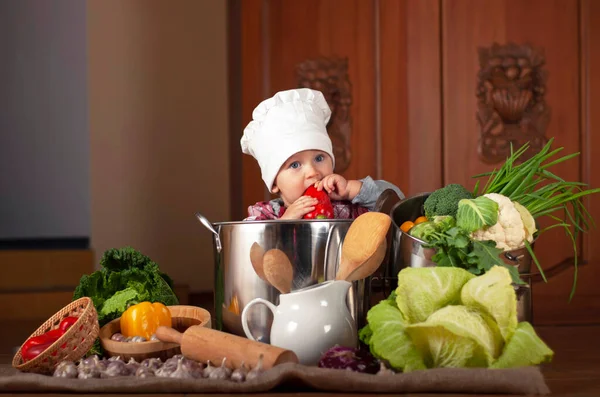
(574, 372)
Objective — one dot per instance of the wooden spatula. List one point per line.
(278, 270)
(364, 246)
(203, 344)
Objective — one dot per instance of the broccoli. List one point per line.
(444, 201)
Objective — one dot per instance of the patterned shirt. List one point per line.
(274, 209)
(363, 202)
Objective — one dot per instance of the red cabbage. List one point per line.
(348, 358)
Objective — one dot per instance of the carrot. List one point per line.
(420, 219)
(406, 226)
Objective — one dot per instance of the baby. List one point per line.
(288, 137)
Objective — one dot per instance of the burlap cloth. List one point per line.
(296, 377)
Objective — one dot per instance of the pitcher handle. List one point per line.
(253, 302)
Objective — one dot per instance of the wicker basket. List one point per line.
(71, 346)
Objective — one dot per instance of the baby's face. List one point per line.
(299, 172)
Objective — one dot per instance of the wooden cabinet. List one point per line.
(413, 71)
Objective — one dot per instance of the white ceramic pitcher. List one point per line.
(310, 320)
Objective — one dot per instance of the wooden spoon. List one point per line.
(257, 254)
(364, 246)
(278, 270)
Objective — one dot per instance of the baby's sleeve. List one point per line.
(371, 190)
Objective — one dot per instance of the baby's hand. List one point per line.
(300, 207)
(336, 186)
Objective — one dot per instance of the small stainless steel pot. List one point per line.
(412, 252)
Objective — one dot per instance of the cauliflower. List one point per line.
(509, 232)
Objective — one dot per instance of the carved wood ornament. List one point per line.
(330, 76)
(511, 104)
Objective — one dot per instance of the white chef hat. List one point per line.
(289, 122)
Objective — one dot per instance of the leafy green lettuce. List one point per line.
(126, 277)
(447, 317)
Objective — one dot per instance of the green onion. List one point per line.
(543, 193)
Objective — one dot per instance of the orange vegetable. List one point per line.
(143, 319)
(234, 305)
(420, 219)
(406, 226)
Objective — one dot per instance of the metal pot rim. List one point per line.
(423, 242)
(280, 221)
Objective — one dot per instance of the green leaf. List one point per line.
(125, 272)
(456, 336)
(364, 335)
(488, 255)
(493, 294)
(474, 214)
(114, 306)
(123, 258)
(423, 231)
(422, 291)
(388, 340)
(525, 348)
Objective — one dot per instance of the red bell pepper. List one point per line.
(67, 323)
(35, 351)
(37, 344)
(34, 346)
(323, 208)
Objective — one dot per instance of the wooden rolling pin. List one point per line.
(203, 344)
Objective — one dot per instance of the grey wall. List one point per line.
(44, 134)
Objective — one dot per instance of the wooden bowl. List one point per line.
(71, 346)
(182, 317)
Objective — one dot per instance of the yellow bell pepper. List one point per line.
(144, 318)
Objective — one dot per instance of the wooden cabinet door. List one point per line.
(412, 68)
(393, 70)
(553, 25)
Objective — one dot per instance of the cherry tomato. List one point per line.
(406, 226)
(67, 323)
(420, 219)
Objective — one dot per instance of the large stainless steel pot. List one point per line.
(314, 249)
(412, 252)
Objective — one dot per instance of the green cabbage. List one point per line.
(474, 214)
(456, 336)
(447, 317)
(126, 277)
(418, 297)
(389, 341)
(524, 348)
(494, 295)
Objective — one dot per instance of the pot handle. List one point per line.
(207, 224)
(386, 201)
(245, 314)
(558, 269)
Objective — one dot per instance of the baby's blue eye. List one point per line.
(319, 158)
(295, 164)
